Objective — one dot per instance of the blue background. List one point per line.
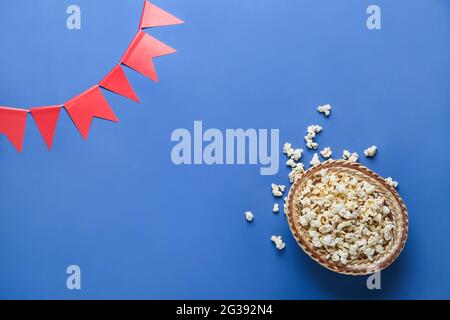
(141, 227)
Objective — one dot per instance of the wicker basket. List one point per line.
(359, 266)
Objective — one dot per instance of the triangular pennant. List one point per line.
(116, 81)
(12, 124)
(87, 105)
(153, 16)
(46, 119)
(142, 50)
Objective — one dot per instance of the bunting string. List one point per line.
(92, 103)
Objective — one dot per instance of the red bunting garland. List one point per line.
(91, 103)
(139, 56)
(12, 124)
(153, 16)
(46, 119)
(116, 81)
(86, 106)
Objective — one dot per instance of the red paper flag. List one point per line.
(46, 119)
(141, 52)
(153, 16)
(12, 124)
(116, 81)
(87, 105)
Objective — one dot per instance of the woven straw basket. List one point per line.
(360, 266)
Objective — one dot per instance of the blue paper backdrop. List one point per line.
(141, 227)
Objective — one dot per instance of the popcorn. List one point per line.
(249, 216)
(353, 157)
(291, 163)
(276, 208)
(287, 146)
(346, 218)
(280, 245)
(315, 160)
(326, 153)
(277, 190)
(326, 110)
(297, 154)
(371, 152)
(312, 131)
(290, 152)
(346, 154)
(391, 182)
(296, 172)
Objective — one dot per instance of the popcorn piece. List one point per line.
(326, 153)
(280, 245)
(290, 152)
(276, 208)
(315, 160)
(249, 216)
(310, 135)
(297, 154)
(291, 163)
(391, 182)
(276, 190)
(346, 154)
(287, 146)
(312, 145)
(314, 129)
(371, 152)
(296, 172)
(326, 110)
(353, 157)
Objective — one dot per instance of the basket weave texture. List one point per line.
(361, 266)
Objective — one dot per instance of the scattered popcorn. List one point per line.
(344, 217)
(326, 153)
(296, 172)
(315, 160)
(353, 157)
(326, 110)
(391, 182)
(287, 146)
(297, 154)
(290, 152)
(249, 216)
(276, 208)
(280, 245)
(312, 131)
(346, 154)
(371, 152)
(291, 163)
(278, 190)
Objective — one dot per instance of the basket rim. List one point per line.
(313, 253)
